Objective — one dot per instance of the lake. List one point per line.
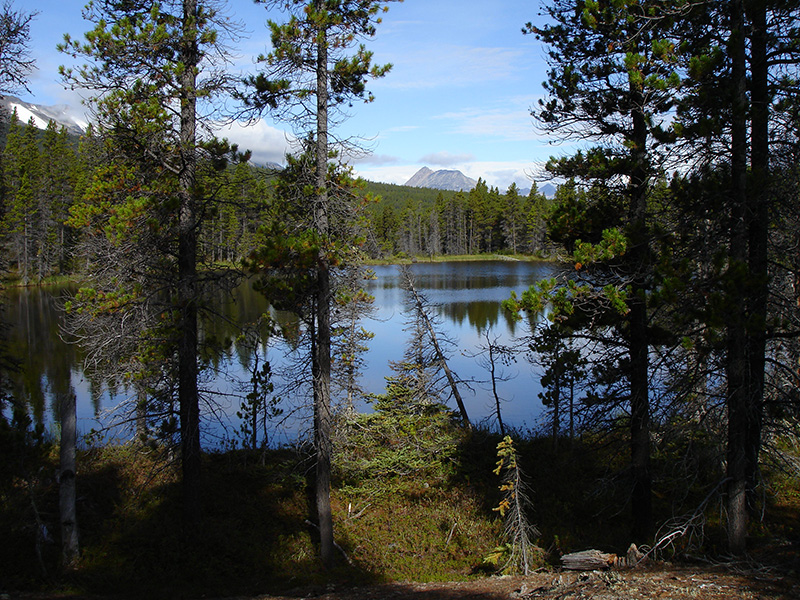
(466, 296)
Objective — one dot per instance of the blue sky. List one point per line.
(458, 97)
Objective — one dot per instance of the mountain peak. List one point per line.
(42, 115)
(417, 180)
(441, 180)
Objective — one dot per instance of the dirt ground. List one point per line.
(657, 581)
(731, 581)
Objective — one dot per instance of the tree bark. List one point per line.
(322, 379)
(736, 366)
(188, 397)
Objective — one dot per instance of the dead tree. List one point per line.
(422, 308)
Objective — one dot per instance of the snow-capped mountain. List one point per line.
(62, 114)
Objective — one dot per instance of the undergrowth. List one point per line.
(413, 500)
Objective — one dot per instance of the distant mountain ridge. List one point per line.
(548, 190)
(441, 180)
(62, 114)
(456, 181)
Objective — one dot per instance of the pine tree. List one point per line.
(611, 82)
(739, 58)
(56, 195)
(536, 208)
(513, 216)
(145, 206)
(307, 76)
(22, 182)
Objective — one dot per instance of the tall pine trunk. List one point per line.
(189, 405)
(638, 342)
(736, 366)
(322, 377)
(758, 232)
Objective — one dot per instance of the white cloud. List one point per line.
(445, 159)
(401, 129)
(397, 174)
(267, 143)
(375, 159)
(499, 123)
(503, 174)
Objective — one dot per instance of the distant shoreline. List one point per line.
(436, 258)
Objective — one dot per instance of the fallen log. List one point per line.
(588, 560)
(596, 560)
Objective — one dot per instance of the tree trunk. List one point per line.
(494, 386)
(736, 340)
(572, 408)
(188, 399)
(637, 322)
(640, 422)
(255, 404)
(758, 222)
(556, 398)
(67, 482)
(323, 419)
(141, 412)
(322, 379)
(420, 307)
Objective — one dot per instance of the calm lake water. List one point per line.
(465, 295)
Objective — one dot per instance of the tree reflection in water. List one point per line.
(466, 294)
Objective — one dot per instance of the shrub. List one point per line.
(403, 436)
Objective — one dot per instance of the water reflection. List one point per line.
(467, 296)
(46, 363)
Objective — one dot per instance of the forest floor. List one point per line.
(422, 536)
(664, 580)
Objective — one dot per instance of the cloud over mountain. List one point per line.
(445, 159)
(41, 115)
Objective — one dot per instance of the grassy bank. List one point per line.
(437, 258)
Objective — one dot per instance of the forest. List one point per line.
(668, 345)
(47, 172)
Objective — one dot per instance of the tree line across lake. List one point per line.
(46, 172)
(675, 330)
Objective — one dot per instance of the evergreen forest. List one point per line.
(668, 345)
